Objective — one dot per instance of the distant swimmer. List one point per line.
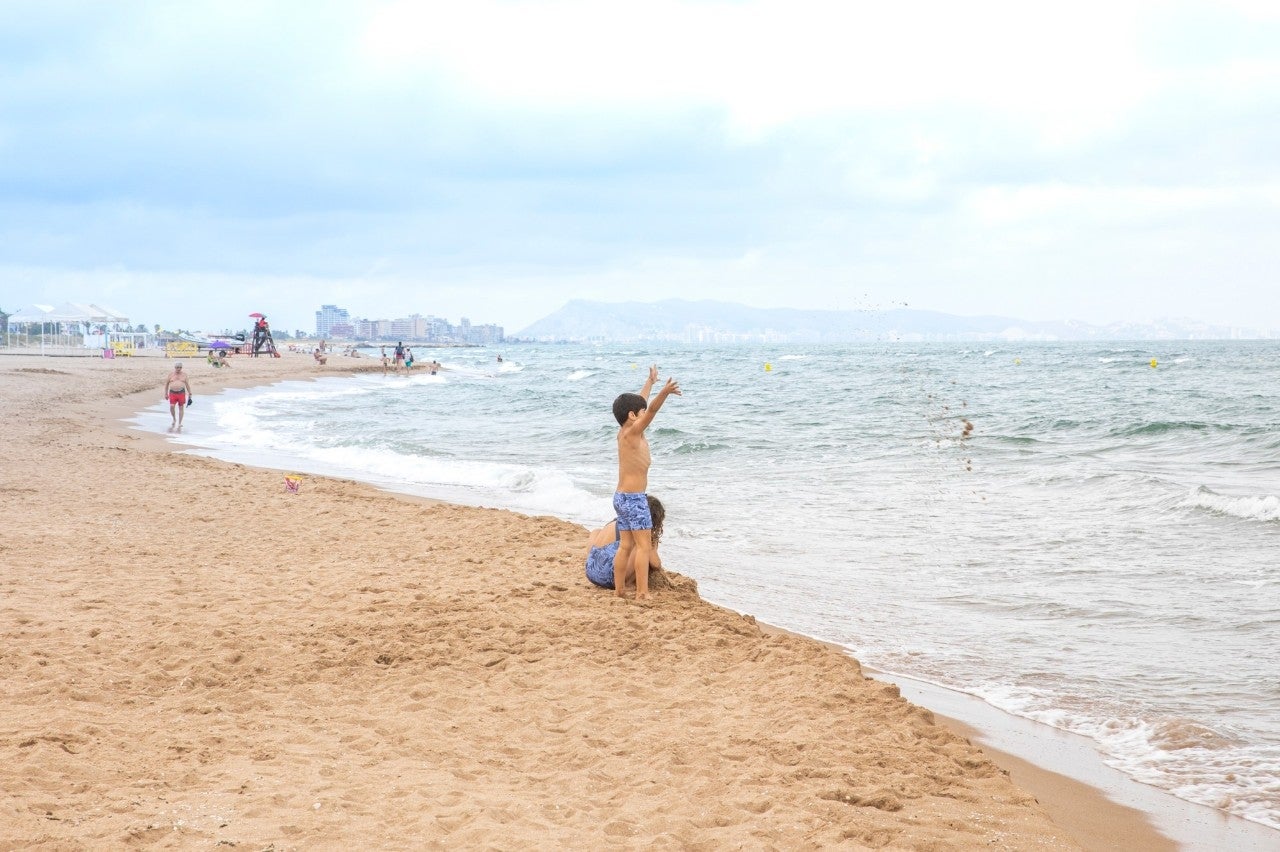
(499, 359)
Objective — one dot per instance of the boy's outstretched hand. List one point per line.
(653, 374)
(671, 387)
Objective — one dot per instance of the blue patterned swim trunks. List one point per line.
(632, 509)
(600, 564)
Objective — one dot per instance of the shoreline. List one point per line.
(1099, 806)
(106, 436)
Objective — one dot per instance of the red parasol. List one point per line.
(256, 314)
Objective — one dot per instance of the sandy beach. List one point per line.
(193, 658)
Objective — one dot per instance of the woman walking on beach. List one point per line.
(177, 389)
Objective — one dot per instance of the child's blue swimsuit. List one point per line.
(632, 508)
(600, 563)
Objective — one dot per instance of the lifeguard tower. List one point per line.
(262, 341)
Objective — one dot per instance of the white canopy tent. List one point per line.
(75, 325)
(31, 313)
(28, 315)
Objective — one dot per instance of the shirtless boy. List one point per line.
(177, 389)
(634, 413)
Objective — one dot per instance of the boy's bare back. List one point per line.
(633, 444)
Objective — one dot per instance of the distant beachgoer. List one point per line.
(320, 357)
(177, 389)
(386, 362)
(435, 367)
(408, 359)
(499, 359)
(399, 355)
(603, 546)
(634, 414)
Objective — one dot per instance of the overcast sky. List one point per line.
(187, 163)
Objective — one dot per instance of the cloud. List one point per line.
(554, 150)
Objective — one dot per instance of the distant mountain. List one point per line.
(677, 320)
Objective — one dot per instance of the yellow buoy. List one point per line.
(768, 367)
(1153, 363)
(1017, 360)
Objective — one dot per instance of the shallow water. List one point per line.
(1099, 552)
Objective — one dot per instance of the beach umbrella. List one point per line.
(256, 314)
(219, 344)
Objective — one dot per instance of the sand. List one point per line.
(192, 658)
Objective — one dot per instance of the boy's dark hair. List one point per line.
(627, 403)
(659, 513)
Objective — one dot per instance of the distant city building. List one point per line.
(409, 328)
(483, 334)
(330, 315)
(335, 322)
(373, 329)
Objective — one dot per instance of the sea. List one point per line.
(1086, 535)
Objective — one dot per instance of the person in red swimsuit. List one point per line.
(177, 389)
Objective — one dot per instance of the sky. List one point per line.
(189, 163)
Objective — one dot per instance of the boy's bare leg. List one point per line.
(640, 561)
(622, 560)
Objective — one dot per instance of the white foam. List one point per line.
(1249, 507)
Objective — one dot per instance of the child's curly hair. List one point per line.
(659, 514)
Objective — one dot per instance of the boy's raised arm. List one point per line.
(646, 416)
(647, 387)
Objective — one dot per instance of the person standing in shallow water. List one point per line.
(635, 522)
(177, 389)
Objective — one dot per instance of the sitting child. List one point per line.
(603, 547)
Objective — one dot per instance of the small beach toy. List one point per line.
(1153, 363)
(291, 483)
(1017, 361)
(768, 367)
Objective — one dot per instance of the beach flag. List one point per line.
(291, 482)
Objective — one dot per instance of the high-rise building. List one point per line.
(409, 328)
(328, 316)
(373, 329)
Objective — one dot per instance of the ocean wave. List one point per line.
(1250, 507)
(1161, 427)
(691, 447)
(1187, 758)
